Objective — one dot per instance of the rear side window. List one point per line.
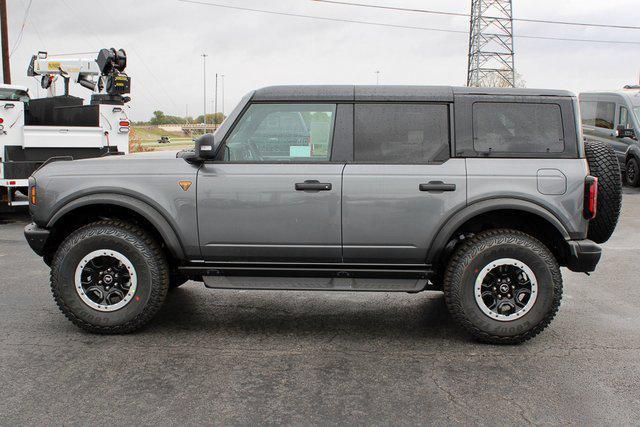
(401, 133)
(510, 127)
(599, 114)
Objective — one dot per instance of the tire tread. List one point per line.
(142, 241)
(463, 257)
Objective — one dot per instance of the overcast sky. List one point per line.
(165, 38)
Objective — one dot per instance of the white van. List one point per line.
(614, 117)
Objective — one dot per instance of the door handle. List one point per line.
(313, 185)
(437, 186)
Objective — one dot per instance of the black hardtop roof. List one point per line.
(389, 93)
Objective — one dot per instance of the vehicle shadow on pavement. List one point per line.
(306, 314)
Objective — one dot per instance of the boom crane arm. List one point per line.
(105, 72)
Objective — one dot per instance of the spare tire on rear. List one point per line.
(603, 164)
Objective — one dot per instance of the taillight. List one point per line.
(1, 120)
(590, 197)
(124, 126)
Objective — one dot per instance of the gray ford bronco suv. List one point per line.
(480, 193)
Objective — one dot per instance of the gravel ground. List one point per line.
(240, 357)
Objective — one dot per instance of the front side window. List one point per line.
(624, 117)
(282, 133)
(509, 127)
(401, 133)
(7, 94)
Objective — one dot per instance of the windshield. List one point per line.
(13, 95)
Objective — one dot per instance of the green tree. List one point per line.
(216, 118)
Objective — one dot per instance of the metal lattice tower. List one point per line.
(491, 44)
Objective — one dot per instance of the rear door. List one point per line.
(275, 194)
(401, 183)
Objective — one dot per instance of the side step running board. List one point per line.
(384, 278)
(315, 283)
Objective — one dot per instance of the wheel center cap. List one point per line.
(107, 279)
(504, 288)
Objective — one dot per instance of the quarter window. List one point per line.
(517, 128)
(282, 133)
(401, 133)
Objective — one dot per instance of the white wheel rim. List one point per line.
(127, 293)
(480, 290)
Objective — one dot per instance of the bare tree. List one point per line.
(495, 79)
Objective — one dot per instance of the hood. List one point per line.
(148, 163)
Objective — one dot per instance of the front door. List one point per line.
(275, 195)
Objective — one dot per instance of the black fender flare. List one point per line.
(465, 214)
(632, 151)
(150, 213)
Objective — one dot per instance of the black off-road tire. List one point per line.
(633, 172)
(477, 253)
(603, 164)
(148, 261)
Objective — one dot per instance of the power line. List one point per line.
(151, 95)
(24, 23)
(410, 27)
(466, 15)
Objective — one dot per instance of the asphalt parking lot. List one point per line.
(239, 357)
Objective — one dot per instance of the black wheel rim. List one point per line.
(631, 172)
(506, 289)
(105, 280)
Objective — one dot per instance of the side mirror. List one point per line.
(623, 132)
(207, 147)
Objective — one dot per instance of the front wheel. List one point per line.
(633, 172)
(109, 277)
(503, 286)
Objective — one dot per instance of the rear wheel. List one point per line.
(503, 286)
(633, 172)
(109, 277)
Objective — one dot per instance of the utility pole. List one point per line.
(377, 78)
(6, 66)
(222, 77)
(215, 103)
(204, 92)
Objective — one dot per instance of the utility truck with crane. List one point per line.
(33, 131)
